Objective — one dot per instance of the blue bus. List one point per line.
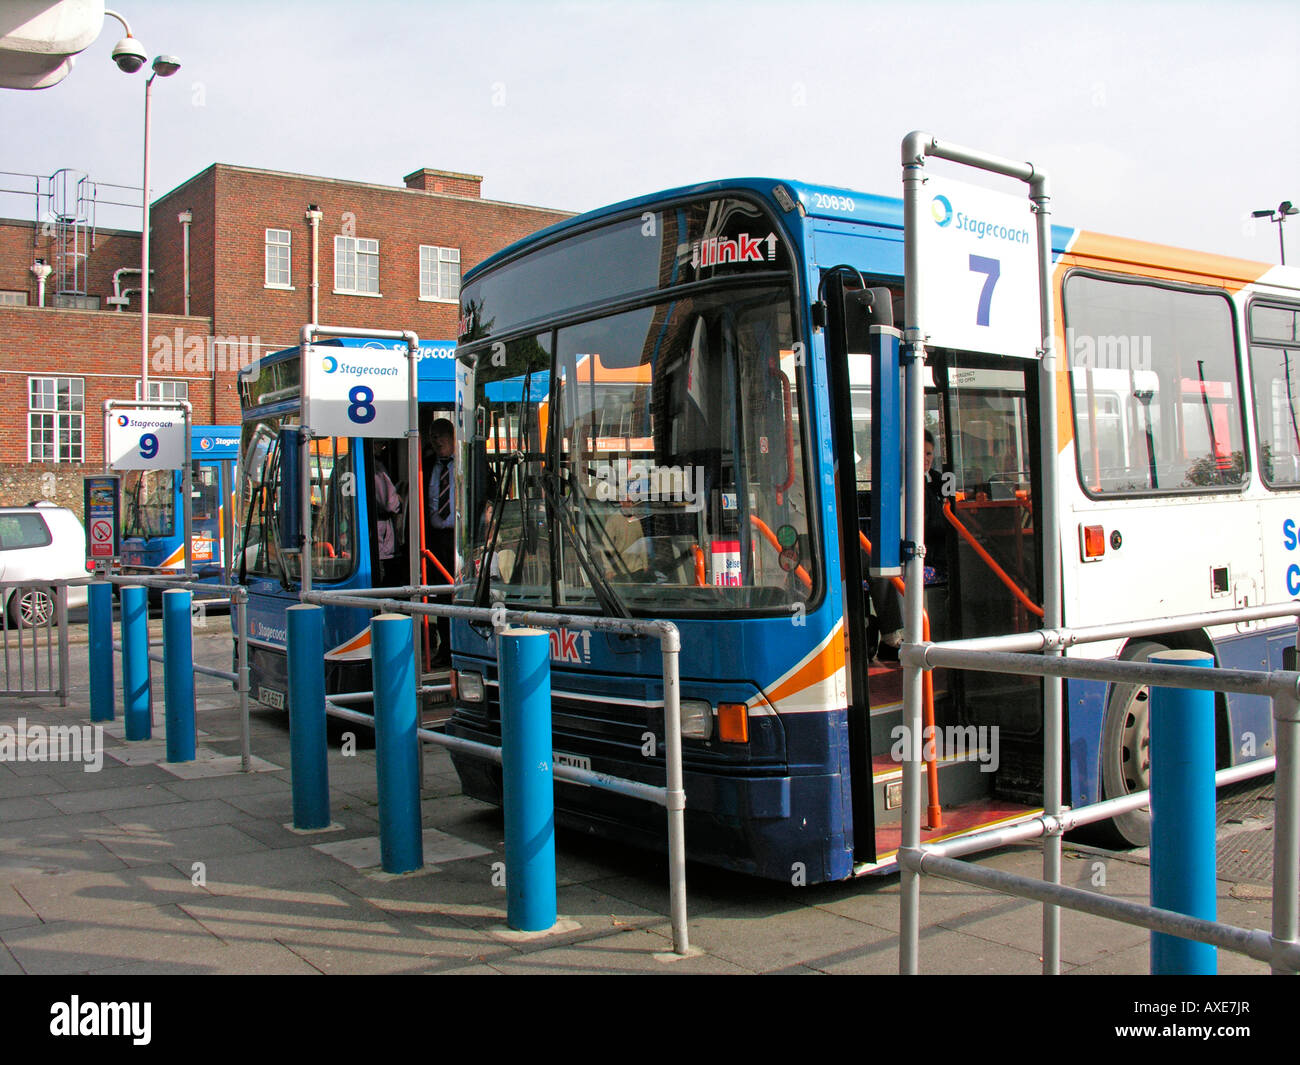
(344, 525)
(665, 415)
(153, 516)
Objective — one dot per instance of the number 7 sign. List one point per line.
(979, 269)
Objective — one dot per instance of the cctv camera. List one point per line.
(128, 55)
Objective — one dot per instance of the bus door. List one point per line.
(989, 548)
(849, 373)
(205, 535)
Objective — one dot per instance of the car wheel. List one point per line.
(31, 609)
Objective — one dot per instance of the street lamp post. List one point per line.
(130, 56)
(1279, 216)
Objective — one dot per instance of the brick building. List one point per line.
(384, 257)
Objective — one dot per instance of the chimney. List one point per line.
(445, 181)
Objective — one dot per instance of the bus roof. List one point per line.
(886, 213)
(435, 371)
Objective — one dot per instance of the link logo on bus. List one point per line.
(744, 249)
(564, 646)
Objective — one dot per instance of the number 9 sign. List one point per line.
(149, 446)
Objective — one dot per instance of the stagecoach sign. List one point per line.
(357, 391)
(979, 269)
(148, 438)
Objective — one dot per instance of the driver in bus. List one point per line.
(626, 537)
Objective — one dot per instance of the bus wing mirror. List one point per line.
(290, 515)
(864, 308)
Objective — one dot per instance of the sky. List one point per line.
(1167, 121)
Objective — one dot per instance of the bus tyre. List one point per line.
(1126, 751)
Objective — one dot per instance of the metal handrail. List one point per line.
(672, 796)
(237, 596)
(1281, 949)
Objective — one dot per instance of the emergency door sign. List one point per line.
(146, 439)
(979, 269)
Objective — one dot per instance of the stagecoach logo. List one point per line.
(564, 646)
(123, 420)
(205, 444)
(329, 364)
(262, 631)
(744, 249)
(941, 209)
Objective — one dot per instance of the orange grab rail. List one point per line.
(998, 571)
(788, 411)
(699, 565)
(770, 537)
(431, 557)
(934, 813)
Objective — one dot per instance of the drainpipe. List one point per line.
(314, 215)
(41, 269)
(121, 296)
(185, 218)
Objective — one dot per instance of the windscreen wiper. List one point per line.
(561, 509)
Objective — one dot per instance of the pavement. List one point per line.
(148, 868)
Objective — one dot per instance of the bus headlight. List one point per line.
(697, 719)
(468, 687)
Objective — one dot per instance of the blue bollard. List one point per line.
(529, 787)
(178, 675)
(397, 759)
(99, 620)
(137, 695)
(308, 761)
(1182, 816)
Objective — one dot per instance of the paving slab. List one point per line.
(152, 934)
(71, 894)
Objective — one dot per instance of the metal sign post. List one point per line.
(360, 392)
(975, 245)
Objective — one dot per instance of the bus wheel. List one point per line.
(1126, 751)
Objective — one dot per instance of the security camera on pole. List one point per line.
(130, 56)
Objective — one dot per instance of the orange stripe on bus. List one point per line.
(823, 665)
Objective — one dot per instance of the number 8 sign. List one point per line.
(357, 391)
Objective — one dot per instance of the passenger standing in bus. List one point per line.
(440, 523)
(388, 505)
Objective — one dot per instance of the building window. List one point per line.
(277, 258)
(55, 413)
(13, 299)
(439, 273)
(356, 266)
(162, 389)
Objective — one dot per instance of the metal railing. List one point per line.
(35, 637)
(672, 796)
(237, 596)
(1014, 654)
